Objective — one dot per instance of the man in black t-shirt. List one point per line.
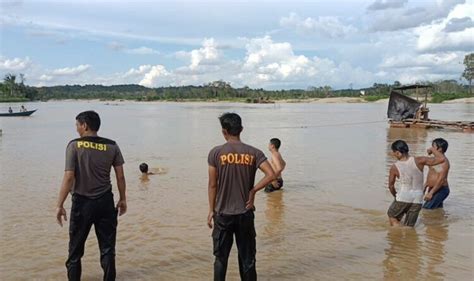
(87, 175)
(231, 190)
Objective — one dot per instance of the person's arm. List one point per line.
(68, 180)
(391, 180)
(266, 168)
(212, 192)
(121, 185)
(439, 182)
(431, 161)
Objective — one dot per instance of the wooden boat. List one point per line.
(405, 112)
(16, 114)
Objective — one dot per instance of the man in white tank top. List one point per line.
(409, 172)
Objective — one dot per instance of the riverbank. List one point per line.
(304, 100)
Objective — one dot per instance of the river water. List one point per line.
(328, 223)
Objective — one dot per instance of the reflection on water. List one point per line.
(274, 213)
(417, 253)
(328, 223)
(436, 234)
(403, 257)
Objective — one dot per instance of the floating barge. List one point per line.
(405, 112)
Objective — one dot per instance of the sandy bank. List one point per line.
(464, 100)
(309, 100)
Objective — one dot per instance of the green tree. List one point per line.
(10, 82)
(468, 73)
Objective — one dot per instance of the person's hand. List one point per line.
(210, 217)
(250, 203)
(60, 214)
(122, 207)
(429, 151)
(428, 196)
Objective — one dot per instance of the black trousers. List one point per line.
(225, 226)
(86, 212)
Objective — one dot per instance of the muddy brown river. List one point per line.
(328, 223)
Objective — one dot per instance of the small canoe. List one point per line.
(16, 114)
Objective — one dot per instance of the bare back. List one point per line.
(277, 163)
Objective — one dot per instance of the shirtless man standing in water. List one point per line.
(436, 186)
(278, 165)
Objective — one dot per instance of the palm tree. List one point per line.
(10, 82)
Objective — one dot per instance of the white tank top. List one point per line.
(410, 187)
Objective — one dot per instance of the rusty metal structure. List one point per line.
(406, 112)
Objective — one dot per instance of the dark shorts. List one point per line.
(409, 210)
(437, 199)
(270, 187)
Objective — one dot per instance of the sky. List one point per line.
(260, 44)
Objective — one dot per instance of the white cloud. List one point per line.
(206, 55)
(459, 24)
(423, 60)
(267, 64)
(386, 4)
(268, 58)
(435, 37)
(116, 46)
(141, 70)
(69, 71)
(46, 78)
(154, 75)
(327, 26)
(410, 17)
(142, 51)
(15, 64)
(409, 68)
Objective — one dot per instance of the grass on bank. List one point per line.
(440, 97)
(13, 99)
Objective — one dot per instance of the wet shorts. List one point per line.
(409, 210)
(437, 199)
(271, 188)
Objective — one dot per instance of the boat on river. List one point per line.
(18, 114)
(406, 112)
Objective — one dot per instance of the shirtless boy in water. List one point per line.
(278, 165)
(436, 186)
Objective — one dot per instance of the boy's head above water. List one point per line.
(143, 168)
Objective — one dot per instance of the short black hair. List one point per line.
(232, 123)
(441, 143)
(143, 167)
(91, 118)
(400, 146)
(276, 143)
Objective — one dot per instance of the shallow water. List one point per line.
(328, 223)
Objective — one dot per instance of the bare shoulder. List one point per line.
(394, 169)
(446, 163)
(277, 156)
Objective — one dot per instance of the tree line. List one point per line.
(13, 88)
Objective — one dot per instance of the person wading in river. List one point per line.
(87, 174)
(437, 186)
(231, 191)
(409, 170)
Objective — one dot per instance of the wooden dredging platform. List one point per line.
(405, 112)
(464, 126)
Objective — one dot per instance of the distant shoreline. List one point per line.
(329, 100)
